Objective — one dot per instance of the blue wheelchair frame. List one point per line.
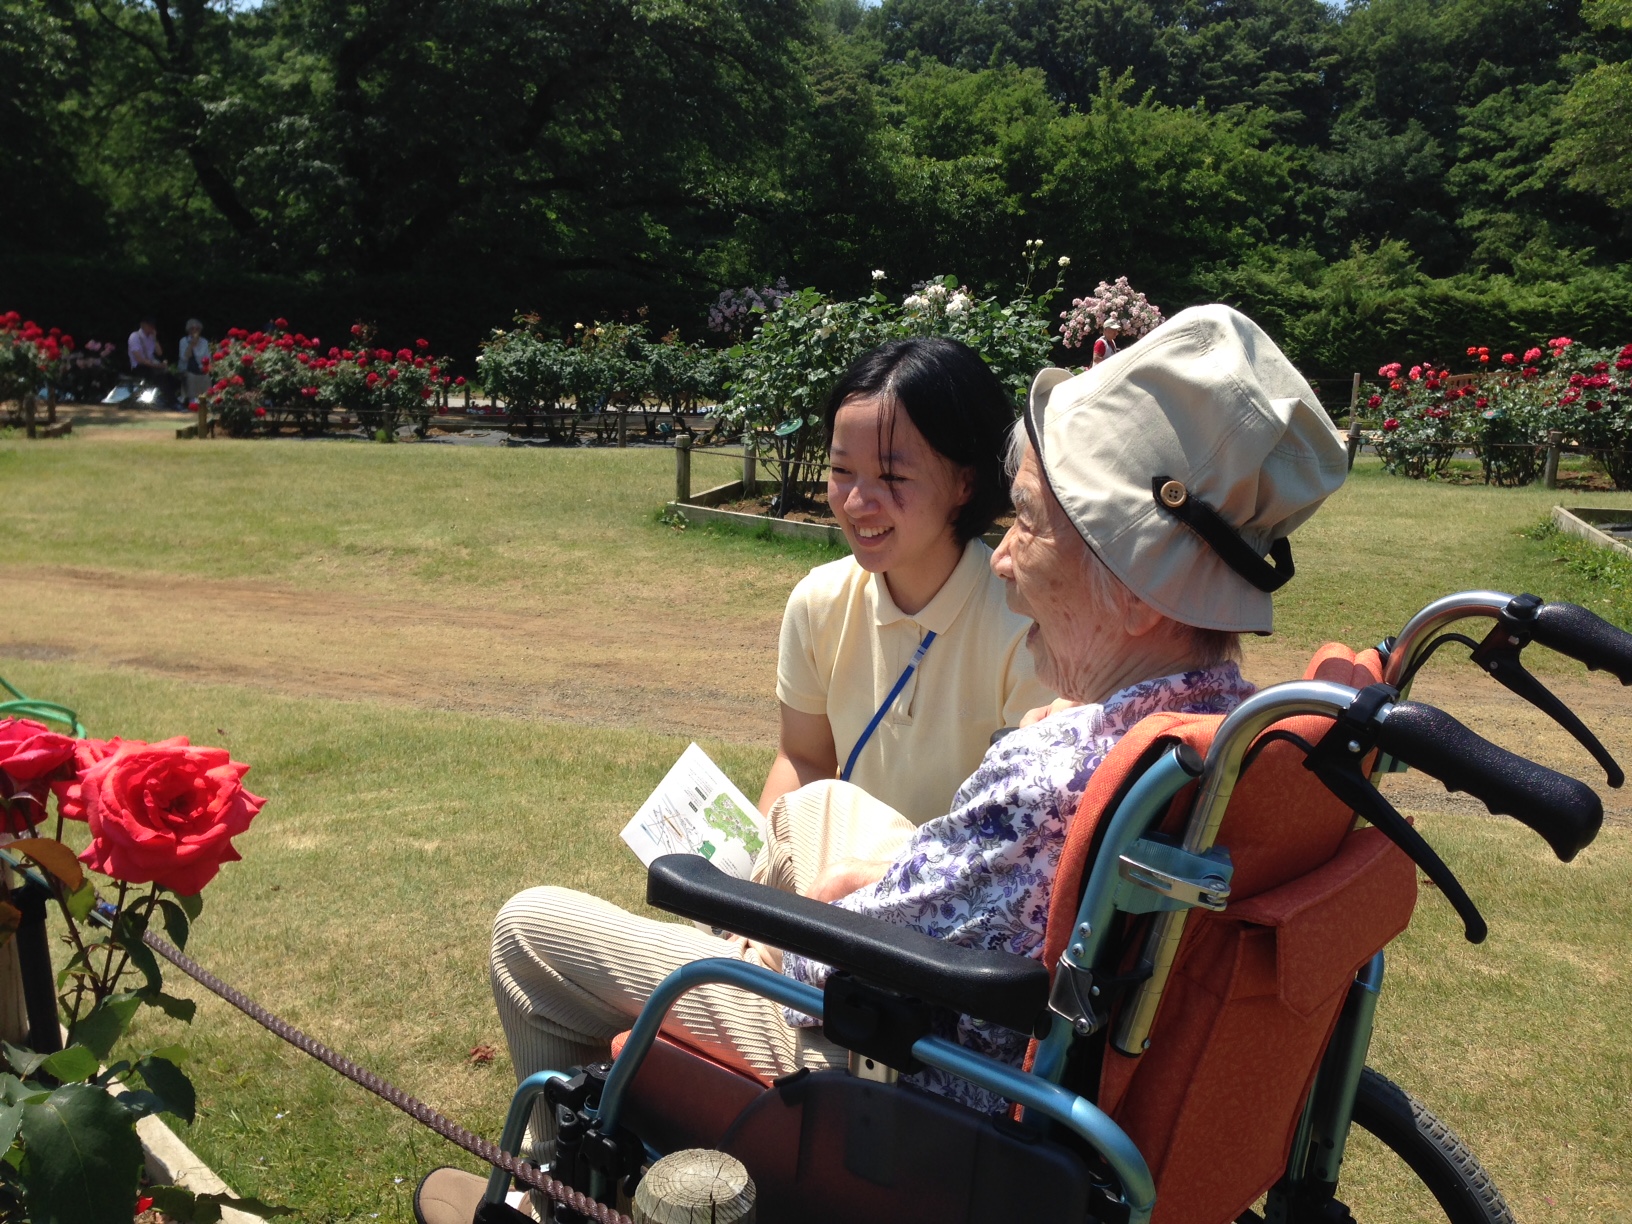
(1318, 1147)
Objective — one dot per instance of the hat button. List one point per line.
(1174, 494)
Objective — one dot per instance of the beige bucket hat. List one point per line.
(1184, 459)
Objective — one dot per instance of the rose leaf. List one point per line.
(172, 1085)
(83, 1157)
(55, 857)
(107, 1022)
(72, 1065)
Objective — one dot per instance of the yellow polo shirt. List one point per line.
(844, 645)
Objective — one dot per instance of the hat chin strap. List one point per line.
(1224, 539)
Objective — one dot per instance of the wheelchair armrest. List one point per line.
(995, 986)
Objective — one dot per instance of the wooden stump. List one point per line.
(695, 1187)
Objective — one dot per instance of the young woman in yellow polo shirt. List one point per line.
(898, 663)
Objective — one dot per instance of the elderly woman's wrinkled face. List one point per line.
(1091, 636)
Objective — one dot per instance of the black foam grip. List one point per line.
(1567, 813)
(1572, 630)
(996, 986)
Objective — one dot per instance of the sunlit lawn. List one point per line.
(392, 834)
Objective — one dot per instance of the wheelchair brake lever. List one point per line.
(1336, 762)
(1499, 656)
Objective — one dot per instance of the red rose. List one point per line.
(87, 752)
(1481, 402)
(31, 750)
(280, 324)
(1473, 350)
(1374, 402)
(1531, 355)
(1625, 363)
(460, 381)
(1484, 358)
(356, 329)
(166, 814)
(32, 758)
(1390, 425)
(423, 344)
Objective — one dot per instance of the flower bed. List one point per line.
(267, 376)
(1505, 411)
(33, 358)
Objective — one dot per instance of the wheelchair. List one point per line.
(1200, 1016)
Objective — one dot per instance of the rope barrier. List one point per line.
(522, 1170)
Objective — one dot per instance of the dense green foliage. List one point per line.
(1396, 176)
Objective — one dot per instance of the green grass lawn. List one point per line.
(394, 831)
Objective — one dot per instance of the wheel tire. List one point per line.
(1441, 1161)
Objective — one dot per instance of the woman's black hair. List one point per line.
(956, 402)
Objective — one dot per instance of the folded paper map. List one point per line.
(697, 810)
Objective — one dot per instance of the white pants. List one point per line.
(571, 971)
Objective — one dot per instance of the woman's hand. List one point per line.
(846, 876)
(1042, 712)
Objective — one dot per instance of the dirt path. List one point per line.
(605, 668)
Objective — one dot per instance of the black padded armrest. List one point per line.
(996, 986)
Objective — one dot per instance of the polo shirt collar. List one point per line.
(939, 613)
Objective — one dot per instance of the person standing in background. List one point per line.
(1106, 344)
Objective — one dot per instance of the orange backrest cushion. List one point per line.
(1256, 989)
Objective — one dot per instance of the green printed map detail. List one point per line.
(723, 814)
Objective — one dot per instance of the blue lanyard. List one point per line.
(878, 717)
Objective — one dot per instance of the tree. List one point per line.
(1596, 117)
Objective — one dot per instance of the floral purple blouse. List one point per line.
(981, 875)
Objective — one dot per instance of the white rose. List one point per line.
(878, 274)
(1065, 261)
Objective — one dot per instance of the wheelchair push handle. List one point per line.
(1586, 637)
(1566, 813)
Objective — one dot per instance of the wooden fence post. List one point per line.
(697, 1186)
(1354, 420)
(682, 468)
(750, 466)
(1549, 473)
(28, 413)
(467, 396)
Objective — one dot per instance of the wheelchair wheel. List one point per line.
(1440, 1161)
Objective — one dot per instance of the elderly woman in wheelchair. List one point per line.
(1148, 492)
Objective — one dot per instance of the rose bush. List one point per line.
(1504, 410)
(263, 374)
(161, 818)
(1118, 303)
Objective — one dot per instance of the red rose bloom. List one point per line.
(1530, 355)
(166, 814)
(87, 752)
(1390, 425)
(280, 324)
(31, 750)
(260, 412)
(1375, 401)
(460, 381)
(423, 344)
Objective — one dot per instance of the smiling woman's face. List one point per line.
(894, 495)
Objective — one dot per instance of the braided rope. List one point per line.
(523, 1170)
